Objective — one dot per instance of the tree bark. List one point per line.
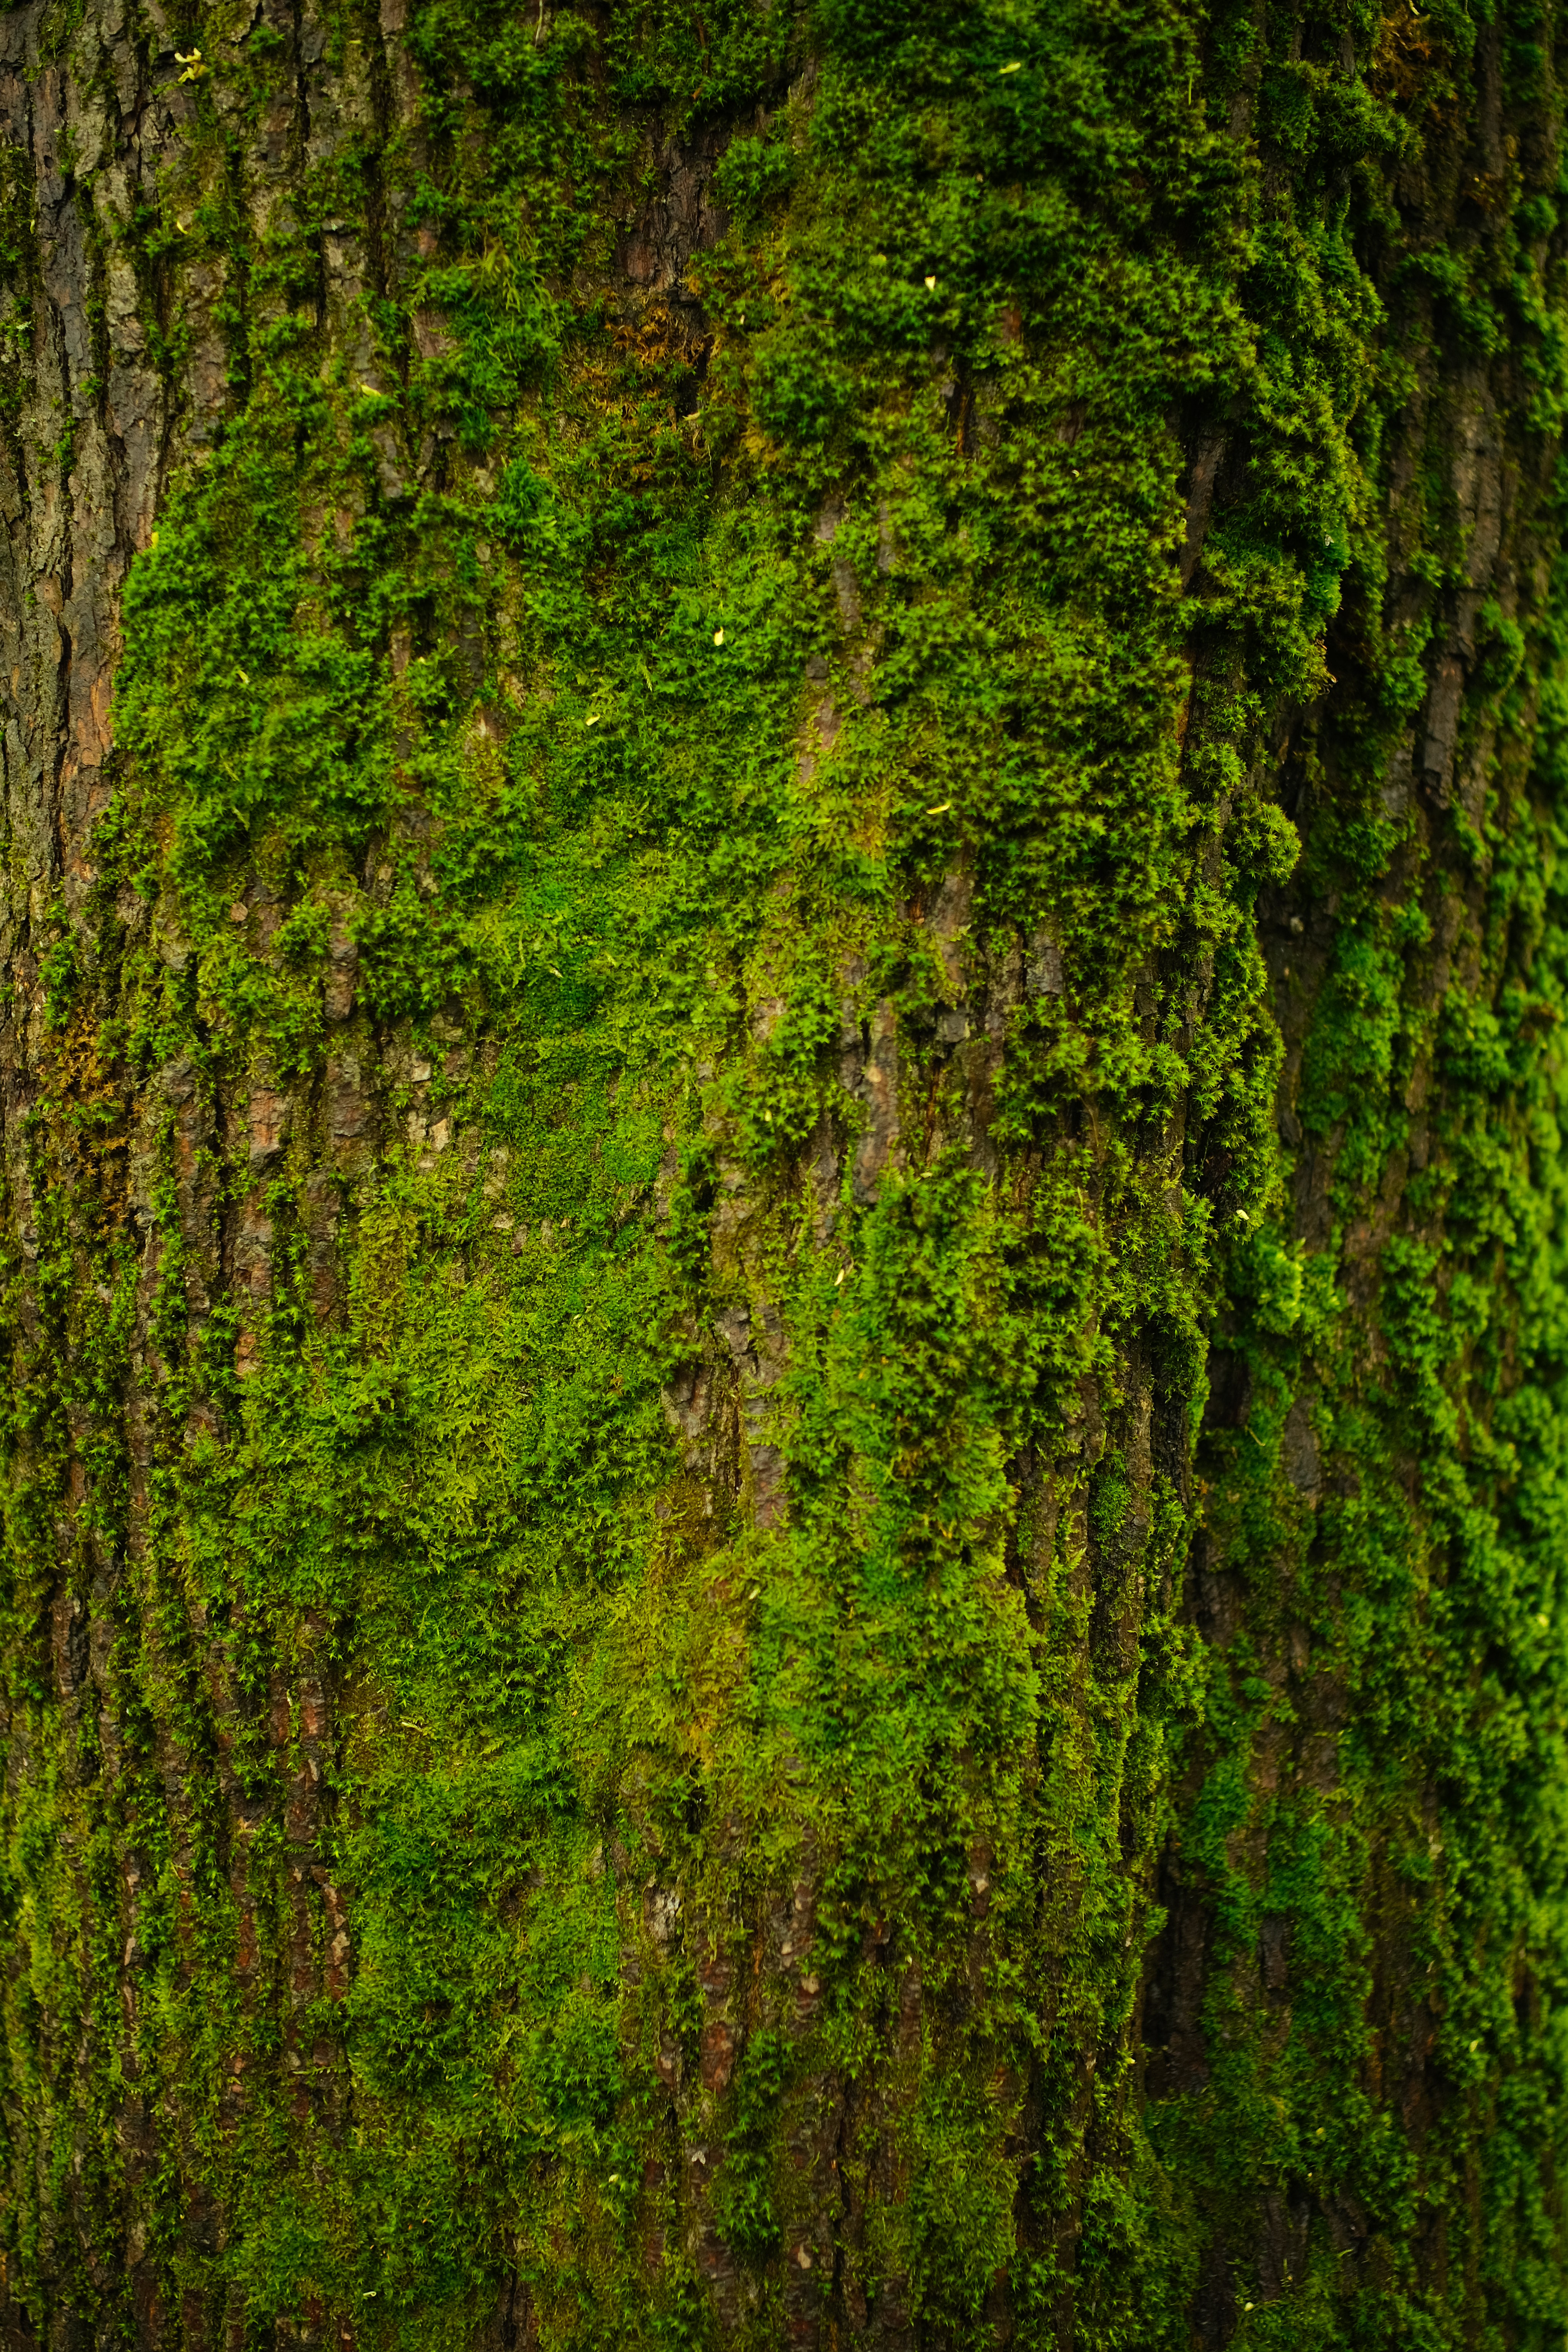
(785, 1445)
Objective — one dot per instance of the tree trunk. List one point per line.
(786, 1430)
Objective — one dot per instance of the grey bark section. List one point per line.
(97, 139)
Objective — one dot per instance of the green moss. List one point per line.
(736, 682)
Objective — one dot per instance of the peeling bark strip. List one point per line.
(784, 1216)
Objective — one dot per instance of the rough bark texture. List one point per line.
(786, 1457)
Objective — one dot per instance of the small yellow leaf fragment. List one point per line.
(718, 636)
(930, 285)
(941, 809)
(244, 678)
(1017, 66)
(591, 720)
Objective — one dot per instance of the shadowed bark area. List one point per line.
(784, 1418)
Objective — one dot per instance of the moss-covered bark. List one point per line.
(786, 1455)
